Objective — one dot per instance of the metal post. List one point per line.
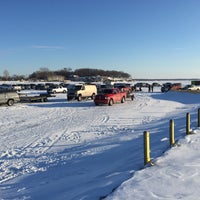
(199, 117)
(172, 141)
(147, 158)
(188, 123)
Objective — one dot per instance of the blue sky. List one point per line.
(145, 38)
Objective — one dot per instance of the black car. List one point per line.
(166, 87)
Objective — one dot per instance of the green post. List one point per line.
(172, 141)
(188, 123)
(147, 158)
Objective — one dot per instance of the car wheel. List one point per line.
(10, 102)
(79, 98)
(110, 102)
(123, 100)
(93, 96)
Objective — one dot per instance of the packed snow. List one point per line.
(78, 151)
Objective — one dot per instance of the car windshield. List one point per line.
(107, 91)
(75, 87)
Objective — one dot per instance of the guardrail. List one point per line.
(146, 137)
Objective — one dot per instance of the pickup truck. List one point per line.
(110, 97)
(57, 89)
(9, 97)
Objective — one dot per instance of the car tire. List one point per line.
(79, 98)
(123, 100)
(10, 102)
(111, 102)
(93, 96)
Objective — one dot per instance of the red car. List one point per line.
(110, 96)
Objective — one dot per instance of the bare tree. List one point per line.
(44, 69)
(6, 74)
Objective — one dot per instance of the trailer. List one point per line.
(34, 97)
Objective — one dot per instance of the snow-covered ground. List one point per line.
(78, 151)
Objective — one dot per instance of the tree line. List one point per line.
(67, 73)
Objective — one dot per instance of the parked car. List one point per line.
(194, 87)
(176, 86)
(155, 84)
(81, 91)
(57, 89)
(9, 97)
(110, 97)
(166, 87)
(186, 87)
(40, 86)
(139, 86)
(171, 86)
(16, 87)
(101, 87)
(6, 87)
(123, 87)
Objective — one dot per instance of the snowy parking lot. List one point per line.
(76, 150)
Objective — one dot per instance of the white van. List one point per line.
(81, 91)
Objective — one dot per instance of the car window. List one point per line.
(107, 91)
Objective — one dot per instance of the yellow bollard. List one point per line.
(172, 141)
(199, 117)
(188, 123)
(147, 158)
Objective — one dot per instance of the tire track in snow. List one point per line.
(63, 127)
(18, 159)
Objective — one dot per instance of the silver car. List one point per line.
(9, 97)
